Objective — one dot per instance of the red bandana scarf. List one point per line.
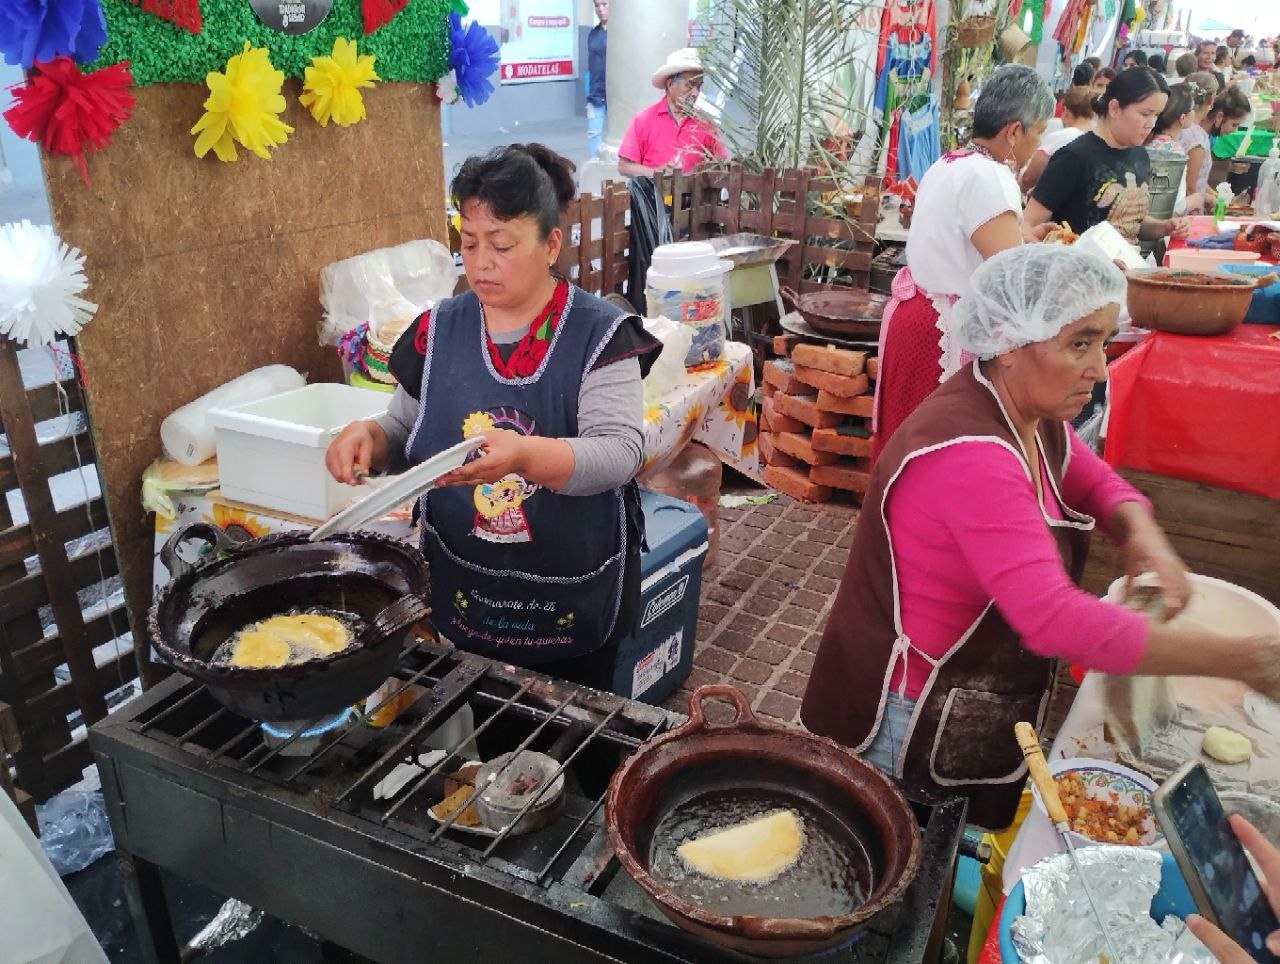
(528, 354)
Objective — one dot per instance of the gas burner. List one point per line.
(310, 736)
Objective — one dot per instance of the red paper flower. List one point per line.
(70, 113)
(377, 13)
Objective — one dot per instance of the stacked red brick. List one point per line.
(815, 423)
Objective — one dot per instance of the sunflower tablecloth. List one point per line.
(715, 405)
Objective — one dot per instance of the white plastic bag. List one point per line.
(668, 371)
(389, 285)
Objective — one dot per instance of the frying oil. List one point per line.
(832, 875)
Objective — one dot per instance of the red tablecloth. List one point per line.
(1201, 409)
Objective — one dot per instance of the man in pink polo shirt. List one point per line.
(668, 134)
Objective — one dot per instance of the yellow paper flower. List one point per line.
(243, 107)
(331, 87)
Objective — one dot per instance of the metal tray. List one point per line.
(743, 249)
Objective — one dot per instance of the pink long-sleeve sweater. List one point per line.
(966, 529)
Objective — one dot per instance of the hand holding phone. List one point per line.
(1268, 859)
(1238, 913)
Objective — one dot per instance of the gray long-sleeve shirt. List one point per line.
(609, 448)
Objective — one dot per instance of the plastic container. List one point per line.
(694, 476)
(187, 434)
(688, 283)
(1264, 308)
(1208, 259)
(1172, 898)
(657, 655)
(271, 452)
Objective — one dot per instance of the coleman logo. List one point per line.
(665, 600)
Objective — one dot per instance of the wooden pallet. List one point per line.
(37, 574)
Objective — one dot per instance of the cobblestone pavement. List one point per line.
(766, 599)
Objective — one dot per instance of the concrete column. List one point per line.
(641, 35)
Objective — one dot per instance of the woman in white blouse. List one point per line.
(968, 207)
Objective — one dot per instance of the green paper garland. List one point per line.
(412, 47)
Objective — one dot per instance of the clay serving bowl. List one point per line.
(1188, 302)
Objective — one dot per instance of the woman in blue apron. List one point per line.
(534, 544)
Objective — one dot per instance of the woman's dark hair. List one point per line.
(1178, 105)
(1157, 63)
(1222, 56)
(1137, 56)
(1082, 76)
(1104, 74)
(1250, 61)
(1232, 103)
(1094, 62)
(1129, 87)
(522, 180)
(1078, 102)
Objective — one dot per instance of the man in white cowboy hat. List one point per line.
(668, 134)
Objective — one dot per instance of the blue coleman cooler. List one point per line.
(657, 654)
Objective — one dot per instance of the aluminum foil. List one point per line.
(235, 921)
(1059, 926)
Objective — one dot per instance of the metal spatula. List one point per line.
(1043, 781)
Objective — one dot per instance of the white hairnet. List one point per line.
(1030, 293)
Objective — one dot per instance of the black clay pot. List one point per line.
(358, 573)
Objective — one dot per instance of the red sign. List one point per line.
(536, 70)
(555, 23)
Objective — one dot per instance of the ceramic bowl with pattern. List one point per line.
(1110, 783)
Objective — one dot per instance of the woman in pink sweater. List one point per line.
(961, 585)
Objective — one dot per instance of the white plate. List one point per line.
(398, 490)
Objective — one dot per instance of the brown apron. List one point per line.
(960, 738)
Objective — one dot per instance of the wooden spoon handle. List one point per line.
(1040, 774)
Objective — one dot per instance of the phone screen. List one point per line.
(1221, 864)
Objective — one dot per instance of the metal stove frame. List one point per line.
(192, 788)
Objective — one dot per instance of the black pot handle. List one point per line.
(219, 542)
(399, 616)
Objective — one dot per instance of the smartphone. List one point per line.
(1213, 862)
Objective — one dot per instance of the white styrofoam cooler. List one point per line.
(271, 452)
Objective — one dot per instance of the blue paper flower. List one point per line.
(474, 58)
(32, 30)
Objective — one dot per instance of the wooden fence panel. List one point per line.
(833, 251)
(54, 605)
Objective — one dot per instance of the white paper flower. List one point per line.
(41, 279)
(447, 88)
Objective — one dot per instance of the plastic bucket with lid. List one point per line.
(687, 283)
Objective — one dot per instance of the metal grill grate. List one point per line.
(193, 788)
(516, 709)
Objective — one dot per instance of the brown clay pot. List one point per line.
(814, 771)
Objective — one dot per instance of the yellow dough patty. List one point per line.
(754, 851)
(257, 649)
(324, 634)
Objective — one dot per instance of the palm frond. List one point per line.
(794, 76)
